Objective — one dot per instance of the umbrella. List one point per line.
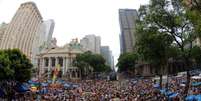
(168, 93)
(196, 83)
(22, 88)
(173, 95)
(190, 98)
(43, 91)
(44, 84)
(163, 91)
(198, 97)
(49, 81)
(1, 93)
(196, 77)
(156, 85)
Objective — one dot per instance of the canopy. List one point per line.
(156, 85)
(44, 84)
(168, 93)
(196, 83)
(43, 91)
(196, 77)
(163, 91)
(22, 88)
(198, 97)
(66, 86)
(173, 95)
(1, 93)
(190, 98)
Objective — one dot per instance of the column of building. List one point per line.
(49, 66)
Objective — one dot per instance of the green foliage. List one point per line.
(5, 71)
(127, 61)
(165, 28)
(15, 65)
(196, 54)
(88, 61)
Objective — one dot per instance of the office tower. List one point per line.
(91, 43)
(127, 18)
(21, 31)
(27, 31)
(107, 55)
(3, 27)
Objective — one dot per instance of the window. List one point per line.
(46, 62)
(61, 62)
(53, 62)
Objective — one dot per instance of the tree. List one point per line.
(169, 18)
(153, 47)
(88, 61)
(127, 62)
(14, 68)
(5, 71)
(20, 64)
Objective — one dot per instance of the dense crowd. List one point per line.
(103, 90)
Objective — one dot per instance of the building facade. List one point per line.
(127, 19)
(50, 58)
(21, 31)
(107, 55)
(3, 27)
(91, 43)
(27, 31)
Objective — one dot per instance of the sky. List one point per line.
(77, 18)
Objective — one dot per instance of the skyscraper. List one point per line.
(21, 31)
(127, 18)
(91, 43)
(27, 31)
(3, 27)
(107, 55)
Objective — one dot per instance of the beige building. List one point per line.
(27, 31)
(91, 43)
(3, 27)
(49, 58)
(22, 30)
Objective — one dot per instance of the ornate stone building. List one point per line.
(49, 58)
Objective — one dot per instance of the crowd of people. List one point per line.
(105, 90)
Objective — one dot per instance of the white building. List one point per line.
(91, 43)
(48, 59)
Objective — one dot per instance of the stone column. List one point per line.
(76, 73)
(63, 67)
(39, 67)
(67, 63)
(49, 66)
(56, 61)
(43, 65)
